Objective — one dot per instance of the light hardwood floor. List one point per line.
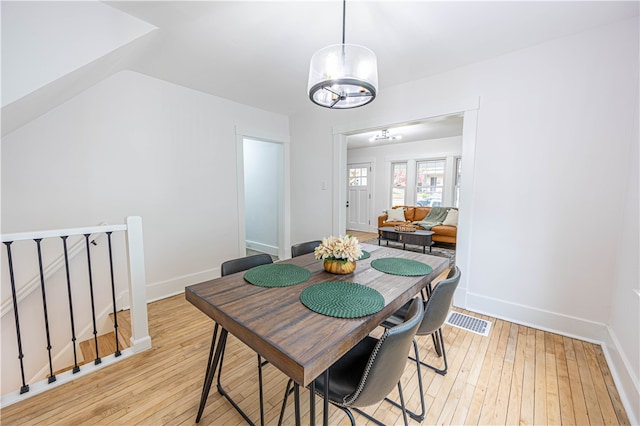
(516, 375)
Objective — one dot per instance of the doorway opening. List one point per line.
(468, 110)
(263, 164)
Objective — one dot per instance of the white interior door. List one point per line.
(359, 196)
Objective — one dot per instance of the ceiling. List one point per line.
(433, 128)
(257, 52)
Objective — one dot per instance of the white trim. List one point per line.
(137, 285)
(285, 220)
(541, 319)
(470, 108)
(265, 248)
(621, 371)
(467, 201)
(61, 232)
(171, 287)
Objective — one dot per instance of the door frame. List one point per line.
(469, 108)
(284, 237)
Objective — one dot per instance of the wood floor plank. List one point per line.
(477, 401)
(490, 400)
(611, 388)
(504, 386)
(590, 395)
(606, 405)
(515, 392)
(577, 396)
(564, 387)
(540, 393)
(491, 380)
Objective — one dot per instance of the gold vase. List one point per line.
(339, 267)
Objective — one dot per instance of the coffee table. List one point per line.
(418, 237)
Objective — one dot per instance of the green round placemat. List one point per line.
(400, 266)
(342, 299)
(365, 255)
(277, 275)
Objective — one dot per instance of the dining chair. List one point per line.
(304, 248)
(366, 374)
(227, 268)
(436, 310)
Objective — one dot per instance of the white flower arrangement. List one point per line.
(343, 248)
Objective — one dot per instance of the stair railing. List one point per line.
(140, 339)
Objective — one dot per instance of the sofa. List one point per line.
(442, 233)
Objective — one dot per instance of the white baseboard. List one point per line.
(541, 319)
(264, 248)
(176, 285)
(628, 386)
(569, 326)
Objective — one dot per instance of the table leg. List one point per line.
(325, 411)
(312, 404)
(211, 369)
(296, 399)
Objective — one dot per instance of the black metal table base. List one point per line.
(216, 358)
(215, 361)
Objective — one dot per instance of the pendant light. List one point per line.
(343, 76)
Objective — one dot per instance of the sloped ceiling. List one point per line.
(257, 53)
(53, 50)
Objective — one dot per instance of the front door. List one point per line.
(359, 197)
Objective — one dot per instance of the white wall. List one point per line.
(37, 33)
(551, 169)
(135, 145)
(381, 158)
(263, 174)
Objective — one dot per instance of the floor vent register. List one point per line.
(469, 323)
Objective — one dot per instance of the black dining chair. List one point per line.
(304, 248)
(366, 374)
(436, 310)
(227, 268)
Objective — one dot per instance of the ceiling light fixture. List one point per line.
(343, 75)
(384, 135)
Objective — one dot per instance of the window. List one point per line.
(398, 184)
(456, 193)
(430, 182)
(358, 176)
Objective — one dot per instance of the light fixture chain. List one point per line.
(344, 17)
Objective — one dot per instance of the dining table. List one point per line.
(297, 340)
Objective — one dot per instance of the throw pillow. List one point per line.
(452, 218)
(396, 215)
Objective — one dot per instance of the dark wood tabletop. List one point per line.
(298, 341)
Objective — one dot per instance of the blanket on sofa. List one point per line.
(436, 216)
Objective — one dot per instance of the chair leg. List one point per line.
(413, 415)
(362, 413)
(441, 371)
(223, 392)
(404, 409)
(260, 364)
(287, 392)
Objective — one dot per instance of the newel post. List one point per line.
(140, 339)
